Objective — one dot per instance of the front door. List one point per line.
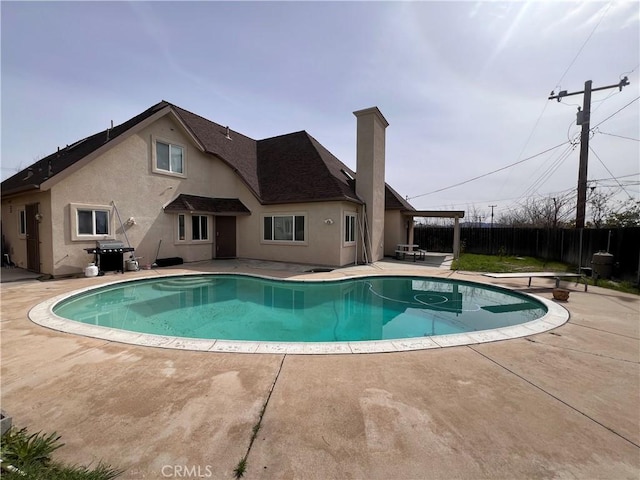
(225, 237)
(33, 237)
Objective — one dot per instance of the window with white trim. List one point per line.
(284, 228)
(350, 228)
(93, 222)
(22, 223)
(169, 158)
(181, 228)
(199, 227)
(90, 222)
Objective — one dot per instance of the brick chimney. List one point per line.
(370, 148)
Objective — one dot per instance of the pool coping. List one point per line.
(42, 314)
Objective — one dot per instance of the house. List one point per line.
(171, 183)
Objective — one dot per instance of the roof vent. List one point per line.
(109, 131)
(227, 134)
(347, 174)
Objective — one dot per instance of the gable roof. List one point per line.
(33, 176)
(236, 150)
(289, 168)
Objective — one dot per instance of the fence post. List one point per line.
(580, 251)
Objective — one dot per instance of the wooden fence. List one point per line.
(550, 244)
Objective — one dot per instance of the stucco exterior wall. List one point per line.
(395, 231)
(123, 181)
(17, 244)
(324, 234)
(124, 176)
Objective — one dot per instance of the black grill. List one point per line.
(109, 255)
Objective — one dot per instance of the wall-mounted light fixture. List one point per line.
(328, 221)
(39, 217)
(130, 221)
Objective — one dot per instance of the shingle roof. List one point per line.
(296, 168)
(195, 203)
(44, 169)
(237, 150)
(284, 169)
(393, 200)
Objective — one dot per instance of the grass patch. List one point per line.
(626, 287)
(472, 262)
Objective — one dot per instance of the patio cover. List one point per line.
(455, 214)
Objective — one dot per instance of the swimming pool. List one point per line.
(237, 312)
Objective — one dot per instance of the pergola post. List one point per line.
(410, 225)
(456, 238)
(455, 214)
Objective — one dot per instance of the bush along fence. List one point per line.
(572, 246)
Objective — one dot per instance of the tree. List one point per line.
(628, 215)
(600, 203)
(538, 212)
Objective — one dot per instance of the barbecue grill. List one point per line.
(109, 255)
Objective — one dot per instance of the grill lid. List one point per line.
(109, 244)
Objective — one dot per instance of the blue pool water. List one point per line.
(241, 307)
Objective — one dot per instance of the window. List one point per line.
(350, 228)
(284, 228)
(181, 234)
(169, 158)
(90, 221)
(192, 229)
(22, 223)
(199, 227)
(93, 222)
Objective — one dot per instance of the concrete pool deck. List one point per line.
(563, 403)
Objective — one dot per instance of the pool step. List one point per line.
(184, 284)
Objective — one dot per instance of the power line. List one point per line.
(526, 143)
(535, 126)
(616, 112)
(541, 195)
(544, 176)
(585, 43)
(597, 130)
(584, 119)
(489, 173)
(607, 169)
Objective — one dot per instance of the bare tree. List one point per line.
(475, 216)
(538, 212)
(600, 205)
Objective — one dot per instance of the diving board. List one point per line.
(557, 275)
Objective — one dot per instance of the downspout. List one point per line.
(356, 235)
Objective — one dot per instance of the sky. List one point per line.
(464, 85)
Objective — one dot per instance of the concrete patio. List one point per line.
(561, 404)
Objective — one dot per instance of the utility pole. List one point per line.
(584, 120)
